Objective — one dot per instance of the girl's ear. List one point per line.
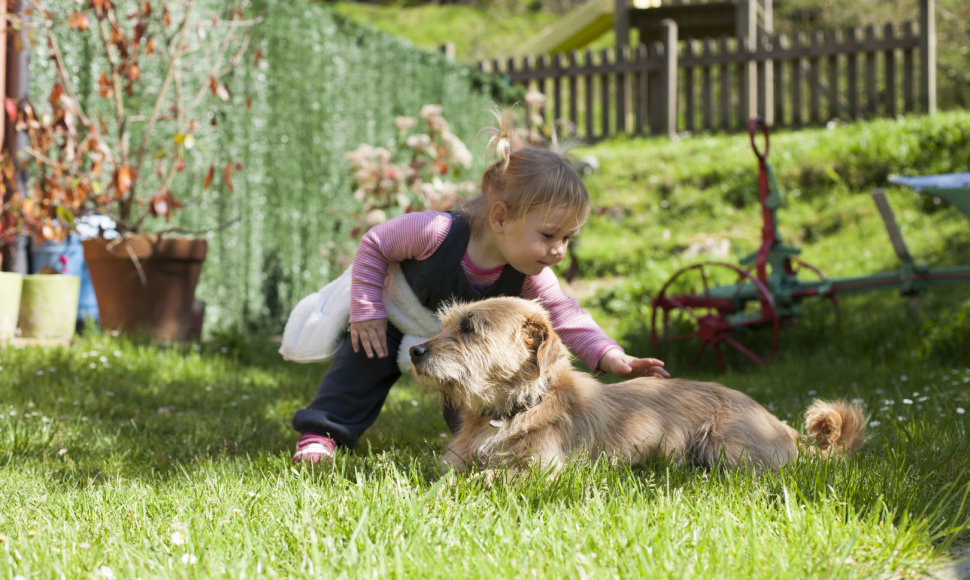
(498, 212)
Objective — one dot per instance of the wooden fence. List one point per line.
(711, 85)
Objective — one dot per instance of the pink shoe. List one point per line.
(314, 448)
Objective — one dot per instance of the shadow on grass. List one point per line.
(119, 407)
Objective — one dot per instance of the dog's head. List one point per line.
(491, 355)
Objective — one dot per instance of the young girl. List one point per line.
(501, 244)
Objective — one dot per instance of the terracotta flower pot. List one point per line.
(10, 285)
(48, 307)
(145, 285)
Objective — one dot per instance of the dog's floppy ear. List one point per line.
(542, 340)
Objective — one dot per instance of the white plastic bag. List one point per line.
(318, 322)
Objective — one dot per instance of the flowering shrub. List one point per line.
(417, 171)
(536, 133)
(160, 70)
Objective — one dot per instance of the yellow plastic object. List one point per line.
(575, 30)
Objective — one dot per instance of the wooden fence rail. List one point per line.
(714, 85)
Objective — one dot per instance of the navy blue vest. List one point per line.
(440, 278)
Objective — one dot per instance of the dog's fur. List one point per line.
(524, 405)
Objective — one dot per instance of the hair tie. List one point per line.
(503, 148)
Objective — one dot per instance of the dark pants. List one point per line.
(353, 391)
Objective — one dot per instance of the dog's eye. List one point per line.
(465, 326)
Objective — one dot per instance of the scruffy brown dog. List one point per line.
(525, 405)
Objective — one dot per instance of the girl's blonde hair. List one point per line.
(525, 180)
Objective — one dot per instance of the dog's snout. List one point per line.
(418, 352)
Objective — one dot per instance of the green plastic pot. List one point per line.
(10, 285)
(48, 306)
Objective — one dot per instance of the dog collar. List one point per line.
(499, 419)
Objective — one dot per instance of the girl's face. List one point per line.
(538, 239)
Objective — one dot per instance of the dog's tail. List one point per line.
(835, 427)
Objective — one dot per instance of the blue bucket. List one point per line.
(50, 253)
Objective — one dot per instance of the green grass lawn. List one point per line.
(174, 462)
(139, 461)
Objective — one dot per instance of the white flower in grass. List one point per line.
(104, 572)
(189, 559)
(907, 401)
(874, 423)
(62, 452)
(178, 538)
(961, 410)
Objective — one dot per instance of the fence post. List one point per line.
(927, 55)
(621, 24)
(668, 99)
(747, 33)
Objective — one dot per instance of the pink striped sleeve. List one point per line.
(580, 333)
(413, 236)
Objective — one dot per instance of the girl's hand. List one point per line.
(370, 334)
(628, 367)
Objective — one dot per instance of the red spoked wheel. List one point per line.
(715, 305)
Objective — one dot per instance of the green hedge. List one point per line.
(325, 86)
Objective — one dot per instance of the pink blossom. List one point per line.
(534, 99)
(405, 123)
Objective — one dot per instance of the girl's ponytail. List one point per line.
(500, 141)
